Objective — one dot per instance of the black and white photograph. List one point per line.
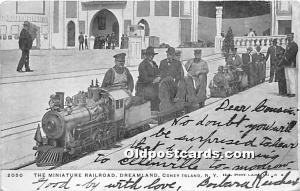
(149, 95)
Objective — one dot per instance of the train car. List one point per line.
(87, 122)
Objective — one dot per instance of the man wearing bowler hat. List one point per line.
(171, 67)
(290, 69)
(118, 74)
(25, 44)
(148, 80)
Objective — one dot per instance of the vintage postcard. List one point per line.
(149, 95)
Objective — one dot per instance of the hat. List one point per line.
(120, 57)
(26, 23)
(171, 50)
(250, 48)
(258, 48)
(177, 52)
(197, 51)
(150, 51)
(274, 40)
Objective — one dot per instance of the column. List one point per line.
(218, 38)
(295, 28)
(195, 16)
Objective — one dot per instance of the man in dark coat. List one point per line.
(119, 74)
(25, 44)
(272, 52)
(248, 66)
(259, 60)
(280, 75)
(81, 40)
(290, 65)
(148, 79)
(171, 67)
(86, 42)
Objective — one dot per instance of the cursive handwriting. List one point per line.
(262, 107)
(259, 181)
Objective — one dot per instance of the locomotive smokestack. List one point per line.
(61, 96)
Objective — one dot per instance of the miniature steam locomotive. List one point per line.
(87, 122)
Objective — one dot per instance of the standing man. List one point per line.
(25, 44)
(259, 60)
(272, 52)
(148, 80)
(81, 40)
(118, 74)
(290, 65)
(280, 75)
(197, 79)
(171, 67)
(248, 66)
(86, 42)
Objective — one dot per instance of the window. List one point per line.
(117, 104)
(14, 29)
(161, 8)
(3, 29)
(121, 103)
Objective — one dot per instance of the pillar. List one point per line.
(219, 38)
(195, 16)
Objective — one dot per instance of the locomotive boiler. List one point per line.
(87, 122)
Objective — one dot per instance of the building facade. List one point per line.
(58, 23)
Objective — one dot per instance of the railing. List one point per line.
(242, 42)
(263, 41)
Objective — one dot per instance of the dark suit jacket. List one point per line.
(272, 52)
(172, 69)
(246, 62)
(144, 85)
(25, 40)
(290, 54)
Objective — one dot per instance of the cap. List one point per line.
(197, 51)
(177, 52)
(120, 57)
(250, 48)
(150, 51)
(26, 23)
(171, 50)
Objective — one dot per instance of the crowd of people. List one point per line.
(250, 70)
(166, 86)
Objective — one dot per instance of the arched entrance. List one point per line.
(145, 24)
(71, 34)
(103, 23)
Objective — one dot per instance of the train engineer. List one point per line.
(119, 74)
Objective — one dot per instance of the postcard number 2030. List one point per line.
(15, 175)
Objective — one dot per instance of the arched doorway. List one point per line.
(145, 24)
(103, 23)
(71, 34)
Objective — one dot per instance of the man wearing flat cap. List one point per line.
(196, 81)
(290, 65)
(148, 80)
(273, 54)
(25, 44)
(171, 67)
(119, 74)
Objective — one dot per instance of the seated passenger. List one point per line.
(119, 74)
(219, 84)
(167, 95)
(234, 60)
